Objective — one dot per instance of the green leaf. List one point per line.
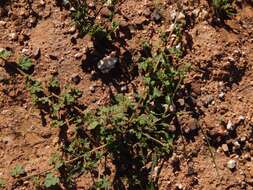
(156, 93)
(54, 83)
(17, 170)
(102, 183)
(2, 183)
(4, 54)
(93, 125)
(25, 63)
(51, 180)
(56, 160)
(57, 123)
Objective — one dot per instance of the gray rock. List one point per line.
(36, 53)
(230, 126)
(231, 164)
(107, 64)
(155, 15)
(76, 78)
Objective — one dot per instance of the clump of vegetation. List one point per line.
(2, 183)
(132, 131)
(223, 8)
(17, 171)
(4, 54)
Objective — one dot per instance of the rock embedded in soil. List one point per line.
(76, 78)
(123, 88)
(36, 53)
(78, 55)
(230, 126)
(146, 12)
(156, 15)
(208, 100)
(181, 17)
(107, 64)
(222, 95)
(13, 36)
(225, 147)
(72, 30)
(231, 164)
(92, 88)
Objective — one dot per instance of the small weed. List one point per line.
(17, 171)
(25, 63)
(51, 180)
(223, 9)
(2, 183)
(4, 54)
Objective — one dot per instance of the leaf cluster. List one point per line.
(223, 8)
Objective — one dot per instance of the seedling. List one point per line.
(51, 180)
(25, 63)
(17, 171)
(4, 54)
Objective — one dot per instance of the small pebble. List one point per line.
(181, 102)
(179, 187)
(91, 5)
(123, 88)
(181, 17)
(208, 100)
(13, 36)
(222, 95)
(230, 126)
(225, 147)
(72, 30)
(92, 88)
(155, 15)
(237, 145)
(76, 78)
(231, 164)
(241, 118)
(78, 55)
(42, 2)
(36, 53)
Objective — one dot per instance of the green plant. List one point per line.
(17, 171)
(4, 54)
(25, 63)
(2, 183)
(132, 130)
(51, 180)
(223, 8)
